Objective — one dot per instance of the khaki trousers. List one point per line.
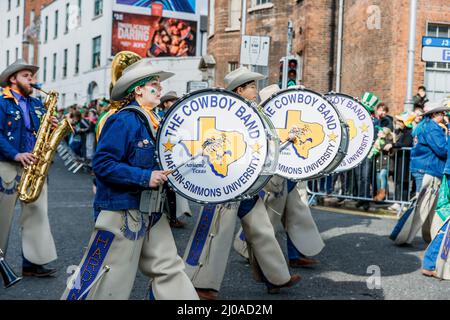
(423, 215)
(292, 211)
(182, 206)
(37, 241)
(109, 266)
(206, 255)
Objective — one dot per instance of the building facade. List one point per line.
(11, 31)
(374, 43)
(79, 39)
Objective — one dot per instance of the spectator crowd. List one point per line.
(390, 171)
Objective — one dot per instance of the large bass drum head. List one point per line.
(360, 129)
(227, 138)
(316, 126)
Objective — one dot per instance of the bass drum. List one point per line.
(360, 129)
(219, 147)
(317, 130)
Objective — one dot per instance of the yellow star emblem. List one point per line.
(168, 146)
(332, 137)
(364, 127)
(256, 148)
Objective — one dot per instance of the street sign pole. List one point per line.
(289, 38)
(285, 72)
(411, 54)
(243, 22)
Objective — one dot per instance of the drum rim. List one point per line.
(356, 99)
(166, 117)
(297, 89)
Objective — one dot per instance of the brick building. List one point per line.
(375, 43)
(32, 22)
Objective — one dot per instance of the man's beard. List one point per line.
(23, 90)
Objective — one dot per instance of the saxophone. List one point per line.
(47, 140)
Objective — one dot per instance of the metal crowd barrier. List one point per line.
(360, 183)
(72, 162)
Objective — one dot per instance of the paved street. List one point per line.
(353, 243)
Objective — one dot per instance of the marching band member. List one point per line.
(287, 203)
(178, 205)
(436, 260)
(19, 121)
(428, 156)
(127, 233)
(266, 255)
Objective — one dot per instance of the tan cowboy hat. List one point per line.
(268, 91)
(169, 96)
(134, 73)
(17, 66)
(433, 107)
(241, 76)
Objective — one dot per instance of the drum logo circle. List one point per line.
(313, 126)
(360, 130)
(220, 143)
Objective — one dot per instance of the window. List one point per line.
(67, 18)
(7, 57)
(44, 76)
(56, 24)
(234, 14)
(79, 12)
(18, 3)
(96, 47)
(17, 24)
(65, 63)
(17, 53)
(9, 5)
(98, 7)
(441, 31)
(8, 28)
(77, 59)
(232, 66)
(32, 17)
(211, 16)
(54, 67)
(46, 29)
(261, 2)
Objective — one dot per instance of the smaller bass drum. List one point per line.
(360, 129)
(228, 150)
(316, 128)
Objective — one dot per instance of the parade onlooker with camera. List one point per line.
(420, 98)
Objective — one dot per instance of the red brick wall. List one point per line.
(312, 20)
(272, 22)
(374, 59)
(36, 6)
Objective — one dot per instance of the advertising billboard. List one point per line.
(152, 36)
(187, 6)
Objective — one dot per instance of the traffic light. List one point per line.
(292, 73)
(288, 72)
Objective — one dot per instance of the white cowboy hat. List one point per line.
(17, 66)
(241, 76)
(134, 73)
(433, 107)
(268, 91)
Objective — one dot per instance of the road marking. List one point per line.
(354, 212)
